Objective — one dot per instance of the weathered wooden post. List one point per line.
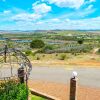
(5, 54)
(21, 74)
(73, 86)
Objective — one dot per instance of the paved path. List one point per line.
(87, 76)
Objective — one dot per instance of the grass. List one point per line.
(54, 56)
(33, 97)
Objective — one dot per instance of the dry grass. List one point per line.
(91, 60)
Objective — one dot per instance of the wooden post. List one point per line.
(21, 74)
(5, 54)
(73, 87)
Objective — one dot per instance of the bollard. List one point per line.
(73, 87)
(21, 75)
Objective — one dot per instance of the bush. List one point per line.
(43, 55)
(37, 44)
(47, 48)
(28, 52)
(38, 58)
(62, 57)
(13, 91)
(98, 52)
(56, 55)
(80, 41)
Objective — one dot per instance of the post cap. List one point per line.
(74, 74)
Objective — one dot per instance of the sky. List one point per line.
(49, 14)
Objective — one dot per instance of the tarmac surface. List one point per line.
(86, 76)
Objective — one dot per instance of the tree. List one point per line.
(37, 44)
(80, 40)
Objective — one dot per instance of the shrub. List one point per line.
(28, 52)
(80, 40)
(98, 52)
(62, 57)
(37, 44)
(43, 55)
(38, 58)
(13, 91)
(47, 48)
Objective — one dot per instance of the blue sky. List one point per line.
(49, 14)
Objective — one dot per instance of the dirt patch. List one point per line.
(61, 91)
(89, 63)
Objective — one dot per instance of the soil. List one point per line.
(61, 91)
(89, 63)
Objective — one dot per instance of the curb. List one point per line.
(41, 94)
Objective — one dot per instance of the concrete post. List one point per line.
(73, 87)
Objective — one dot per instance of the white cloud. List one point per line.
(91, 23)
(89, 7)
(84, 23)
(69, 24)
(48, 24)
(55, 20)
(41, 8)
(92, 0)
(67, 20)
(7, 12)
(77, 14)
(38, 23)
(67, 3)
(26, 17)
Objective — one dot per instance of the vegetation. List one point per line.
(33, 97)
(28, 52)
(62, 57)
(54, 41)
(80, 41)
(38, 58)
(13, 91)
(37, 44)
(47, 48)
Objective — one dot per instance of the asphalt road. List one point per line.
(86, 76)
